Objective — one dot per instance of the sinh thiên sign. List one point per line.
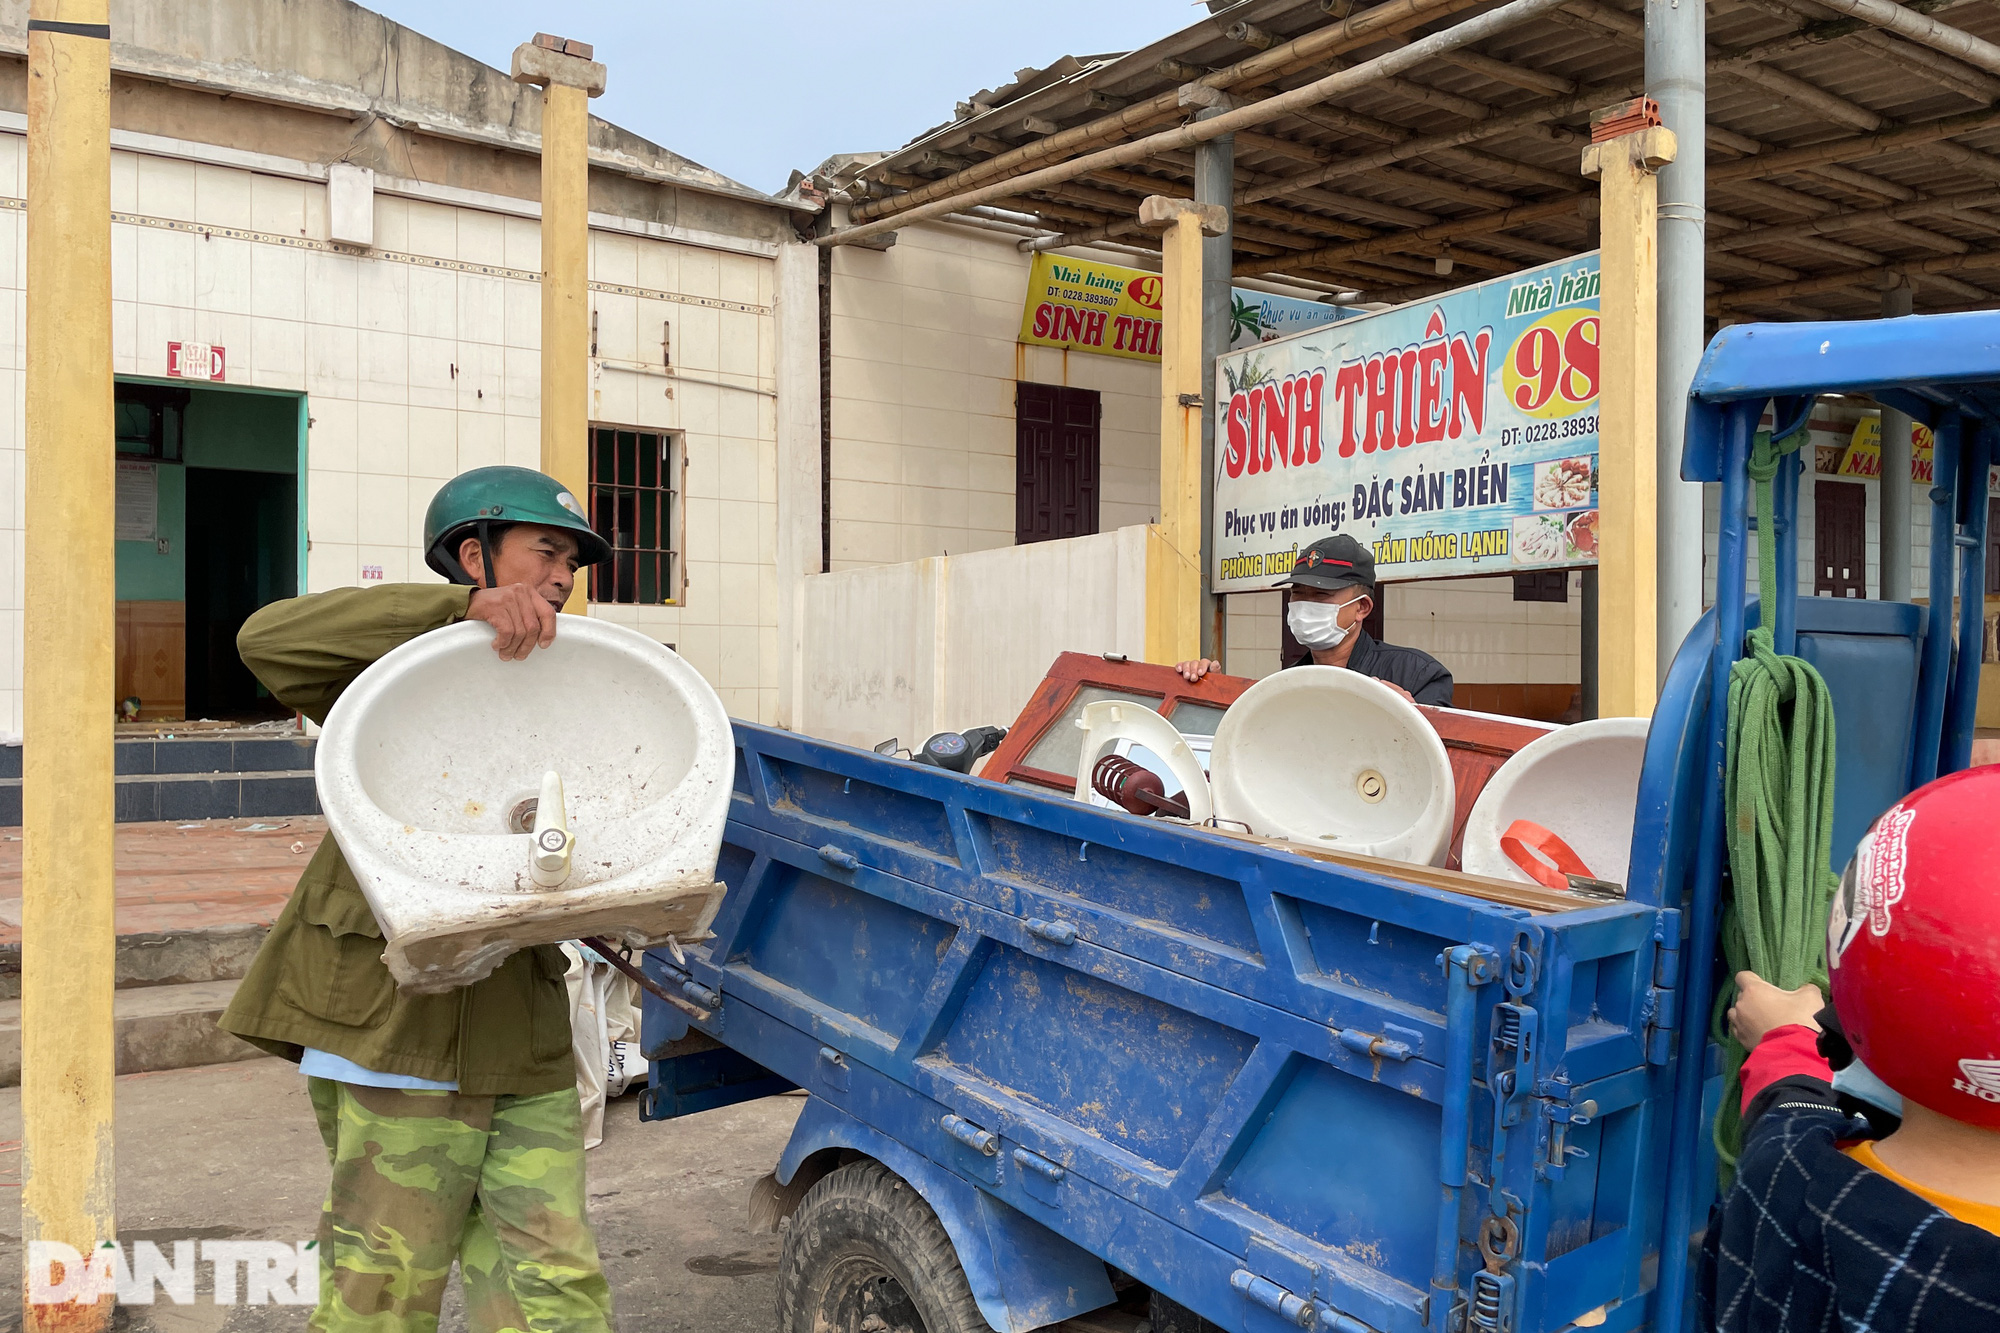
(1454, 435)
(1084, 306)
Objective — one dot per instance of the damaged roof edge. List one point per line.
(612, 147)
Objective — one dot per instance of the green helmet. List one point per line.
(473, 503)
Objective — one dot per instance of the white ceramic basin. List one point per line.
(428, 762)
(1119, 726)
(1326, 755)
(1580, 782)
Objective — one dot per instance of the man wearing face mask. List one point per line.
(1332, 591)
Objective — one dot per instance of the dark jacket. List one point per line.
(319, 979)
(1414, 669)
(1808, 1240)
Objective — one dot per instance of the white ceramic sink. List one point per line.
(431, 764)
(1325, 755)
(1580, 782)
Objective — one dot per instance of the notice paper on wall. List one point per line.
(1454, 435)
(138, 501)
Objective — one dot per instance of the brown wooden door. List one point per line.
(1840, 539)
(1056, 452)
(150, 653)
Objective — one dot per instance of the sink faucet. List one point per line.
(549, 855)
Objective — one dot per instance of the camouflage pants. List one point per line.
(421, 1178)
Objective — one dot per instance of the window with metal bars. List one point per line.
(633, 476)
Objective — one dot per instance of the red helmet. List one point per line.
(1913, 947)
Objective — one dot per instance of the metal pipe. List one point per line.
(1691, 1063)
(1934, 673)
(608, 951)
(1768, 166)
(1359, 30)
(1924, 30)
(68, 939)
(1783, 618)
(1676, 42)
(1214, 183)
(1962, 705)
(1587, 689)
(1188, 136)
(1975, 262)
(1894, 489)
(1583, 203)
(1455, 1136)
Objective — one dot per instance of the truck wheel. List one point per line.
(865, 1254)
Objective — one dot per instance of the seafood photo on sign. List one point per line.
(1564, 483)
(1539, 539)
(1583, 535)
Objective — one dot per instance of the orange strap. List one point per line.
(1524, 838)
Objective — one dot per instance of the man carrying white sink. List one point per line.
(451, 1120)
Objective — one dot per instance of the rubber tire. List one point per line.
(855, 1227)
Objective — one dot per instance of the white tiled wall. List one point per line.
(414, 373)
(1477, 629)
(925, 359)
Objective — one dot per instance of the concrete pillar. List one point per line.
(796, 309)
(1895, 484)
(569, 78)
(68, 941)
(1174, 550)
(1677, 78)
(1214, 183)
(1628, 482)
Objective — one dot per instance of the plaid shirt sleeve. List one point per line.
(1809, 1240)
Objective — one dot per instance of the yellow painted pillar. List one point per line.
(67, 936)
(569, 78)
(1174, 545)
(1627, 485)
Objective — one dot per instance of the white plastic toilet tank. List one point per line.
(1580, 782)
(431, 763)
(1326, 755)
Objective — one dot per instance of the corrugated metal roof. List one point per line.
(1879, 199)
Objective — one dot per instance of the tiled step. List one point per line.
(193, 903)
(196, 754)
(154, 1027)
(194, 778)
(163, 958)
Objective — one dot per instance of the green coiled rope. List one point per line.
(1778, 798)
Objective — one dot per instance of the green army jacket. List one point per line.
(319, 979)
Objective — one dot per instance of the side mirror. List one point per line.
(889, 747)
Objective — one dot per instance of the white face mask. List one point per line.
(1316, 625)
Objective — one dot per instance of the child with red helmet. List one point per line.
(1870, 1222)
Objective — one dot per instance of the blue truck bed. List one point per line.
(1082, 1033)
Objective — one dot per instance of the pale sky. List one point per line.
(754, 88)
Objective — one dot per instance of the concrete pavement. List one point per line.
(230, 1151)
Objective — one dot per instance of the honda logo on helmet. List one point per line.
(1982, 1079)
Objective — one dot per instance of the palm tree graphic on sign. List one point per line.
(1244, 318)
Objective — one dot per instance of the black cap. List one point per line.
(1332, 562)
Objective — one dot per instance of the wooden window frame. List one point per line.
(673, 486)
